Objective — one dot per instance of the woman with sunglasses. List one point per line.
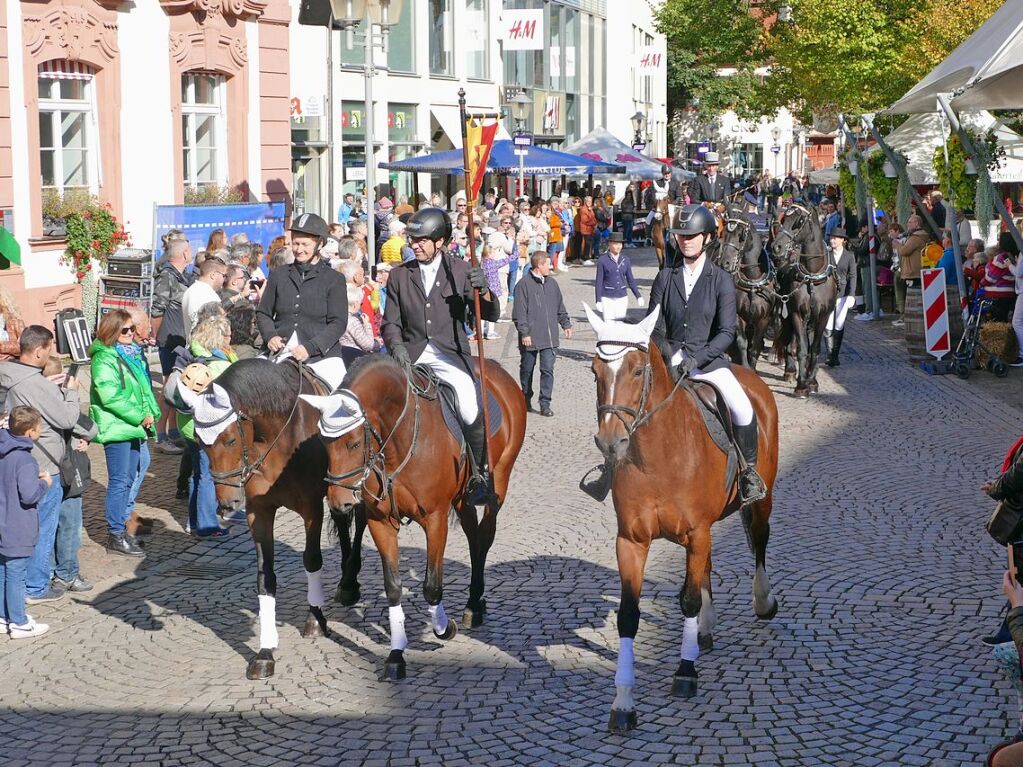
(124, 409)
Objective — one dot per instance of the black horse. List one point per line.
(807, 291)
(741, 254)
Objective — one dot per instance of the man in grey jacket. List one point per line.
(25, 384)
(539, 310)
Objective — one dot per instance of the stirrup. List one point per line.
(479, 490)
(597, 487)
(751, 486)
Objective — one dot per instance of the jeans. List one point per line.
(202, 500)
(37, 577)
(12, 589)
(554, 250)
(527, 364)
(144, 461)
(627, 230)
(185, 470)
(868, 290)
(513, 272)
(69, 540)
(122, 468)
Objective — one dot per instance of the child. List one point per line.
(493, 259)
(23, 487)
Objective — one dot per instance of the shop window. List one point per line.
(441, 33)
(477, 51)
(68, 138)
(204, 129)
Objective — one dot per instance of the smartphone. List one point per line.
(1016, 561)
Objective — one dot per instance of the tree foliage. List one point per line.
(834, 56)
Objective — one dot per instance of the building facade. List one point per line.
(138, 104)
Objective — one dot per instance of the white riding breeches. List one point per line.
(653, 214)
(836, 320)
(614, 308)
(451, 370)
(724, 380)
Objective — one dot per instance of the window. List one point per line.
(477, 27)
(747, 160)
(401, 49)
(203, 129)
(68, 149)
(440, 37)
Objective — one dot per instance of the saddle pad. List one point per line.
(717, 432)
(449, 407)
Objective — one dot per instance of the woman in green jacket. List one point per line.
(124, 409)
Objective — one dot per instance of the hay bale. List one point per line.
(1000, 339)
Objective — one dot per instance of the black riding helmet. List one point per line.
(311, 224)
(432, 223)
(665, 169)
(695, 219)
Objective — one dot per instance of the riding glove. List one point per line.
(478, 278)
(399, 353)
(688, 366)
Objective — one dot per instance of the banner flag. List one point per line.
(479, 140)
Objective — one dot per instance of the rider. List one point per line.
(712, 187)
(305, 304)
(696, 326)
(424, 323)
(664, 187)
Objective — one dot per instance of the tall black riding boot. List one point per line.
(829, 345)
(751, 486)
(479, 489)
(838, 347)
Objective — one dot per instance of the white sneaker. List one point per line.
(589, 262)
(897, 323)
(864, 317)
(28, 630)
(1018, 363)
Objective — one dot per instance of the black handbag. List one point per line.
(75, 469)
(1006, 522)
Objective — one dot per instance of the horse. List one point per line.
(807, 288)
(740, 255)
(659, 229)
(401, 461)
(270, 455)
(669, 481)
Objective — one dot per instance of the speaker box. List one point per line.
(314, 13)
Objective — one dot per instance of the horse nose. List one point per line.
(612, 448)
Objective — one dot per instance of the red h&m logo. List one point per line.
(650, 61)
(522, 30)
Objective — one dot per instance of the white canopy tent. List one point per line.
(987, 68)
(599, 144)
(921, 134)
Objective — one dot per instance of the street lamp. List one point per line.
(520, 104)
(364, 14)
(637, 126)
(775, 146)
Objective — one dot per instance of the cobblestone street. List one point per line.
(878, 555)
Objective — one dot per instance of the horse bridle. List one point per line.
(639, 414)
(246, 470)
(375, 462)
(741, 280)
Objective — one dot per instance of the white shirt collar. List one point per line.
(429, 272)
(697, 267)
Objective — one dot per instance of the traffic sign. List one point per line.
(522, 139)
(702, 148)
(936, 335)
(639, 146)
(775, 148)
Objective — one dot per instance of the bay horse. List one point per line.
(659, 229)
(401, 461)
(807, 290)
(669, 481)
(740, 254)
(270, 455)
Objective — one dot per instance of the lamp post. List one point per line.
(638, 120)
(775, 146)
(520, 104)
(348, 15)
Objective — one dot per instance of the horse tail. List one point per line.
(746, 513)
(782, 340)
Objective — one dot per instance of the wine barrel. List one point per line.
(914, 327)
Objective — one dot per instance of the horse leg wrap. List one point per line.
(690, 641)
(267, 622)
(315, 588)
(625, 675)
(438, 618)
(397, 617)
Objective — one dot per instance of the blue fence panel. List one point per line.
(261, 221)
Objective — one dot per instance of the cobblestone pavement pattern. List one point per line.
(878, 555)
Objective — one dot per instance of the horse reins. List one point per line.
(246, 470)
(639, 414)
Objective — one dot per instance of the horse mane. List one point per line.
(364, 363)
(261, 386)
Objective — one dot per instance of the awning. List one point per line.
(449, 119)
(988, 65)
(537, 161)
(62, 69)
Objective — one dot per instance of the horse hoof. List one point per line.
(313, 628)
(394, 667)
(473, 617)
(813, 387)
(621, 722)
(262, 666)
(449, 633)
(347, 597)
(801, 393)
(683, 686)
(770, 613)
(705, 642)
(789, 378)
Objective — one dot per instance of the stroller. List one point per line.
(966, 352)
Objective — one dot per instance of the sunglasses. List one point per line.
(130, 329)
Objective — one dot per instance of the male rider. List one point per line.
(712, 187)
(424, 323)
(663, 187)
(305, 303)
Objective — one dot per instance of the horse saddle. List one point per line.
(718, 421)
(449, 404)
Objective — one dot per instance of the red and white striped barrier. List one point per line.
(936, 333)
